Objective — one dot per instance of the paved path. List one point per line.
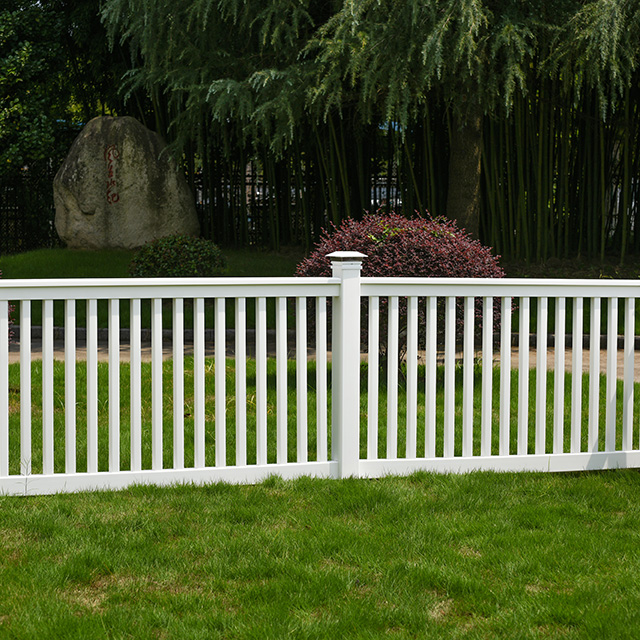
(103, 353)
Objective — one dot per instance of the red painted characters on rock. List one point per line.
(111, 154)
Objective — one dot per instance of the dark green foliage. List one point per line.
(177, 257)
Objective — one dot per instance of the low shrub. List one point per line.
(177, 257)
(397, 246)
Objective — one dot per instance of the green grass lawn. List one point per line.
(70, 263)
(474, 556)
(67, 263)
(482, 555)
(188, 408)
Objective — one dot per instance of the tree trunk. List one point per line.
(463, 195)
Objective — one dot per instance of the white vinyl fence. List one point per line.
(240, 399)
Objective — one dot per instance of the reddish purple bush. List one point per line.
(397, 246)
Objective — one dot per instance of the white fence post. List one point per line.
(345, 348)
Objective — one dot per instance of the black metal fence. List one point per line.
(26, 211)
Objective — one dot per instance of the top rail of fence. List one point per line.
(127, 288)
(499, 287)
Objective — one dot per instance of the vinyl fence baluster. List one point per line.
(220, 384)
(412, 376)
(392, 379)
(430, 378)
(261, 380)
(505, 376)
(612, 366)
(558, 377)
(449, 376)
(321, 378)
(198, 381)
(373, 374)
(627, 407)
(281, 380)
(241, 380)
(487, 376)
(136, 388)
(594, 375)
(92, 385)
(467, 375)
(523, 376)
(156, 384)
(25, 389)
(178, 383)
(301, 379)
(114, 385)
(576, 380)
(541, 375)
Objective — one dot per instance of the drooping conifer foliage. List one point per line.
(517, 118)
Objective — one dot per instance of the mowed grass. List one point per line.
(474, 556)
(70, 263)
(188, 410)
(482, 555)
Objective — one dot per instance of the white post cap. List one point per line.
(346, 256)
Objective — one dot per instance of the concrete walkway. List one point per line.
(103, 352)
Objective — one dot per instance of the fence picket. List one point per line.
(301, 379)
(505, 376)
(373, 382)
(468, 358)
(241, 380)
(612, 366)
(198, 383)
(220, 383)
(281, 380)
(523, 376)
(430, 378)
(178, 382)
(627, 407)
(92, 385)
(449, 376)
(576, 373)
(47, 387)
(412, 376)
(594, 375)
(135, 348)
(156, 384)
(392, 379)
(25, 390)
(541, 375)
(558, 377)
(487, 376)
(261, 380)
(321, 379)
(114, 385)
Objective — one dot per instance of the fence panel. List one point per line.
(206, 380)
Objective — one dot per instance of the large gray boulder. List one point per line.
(119, 188)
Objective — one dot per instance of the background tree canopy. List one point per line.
(517, 118)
